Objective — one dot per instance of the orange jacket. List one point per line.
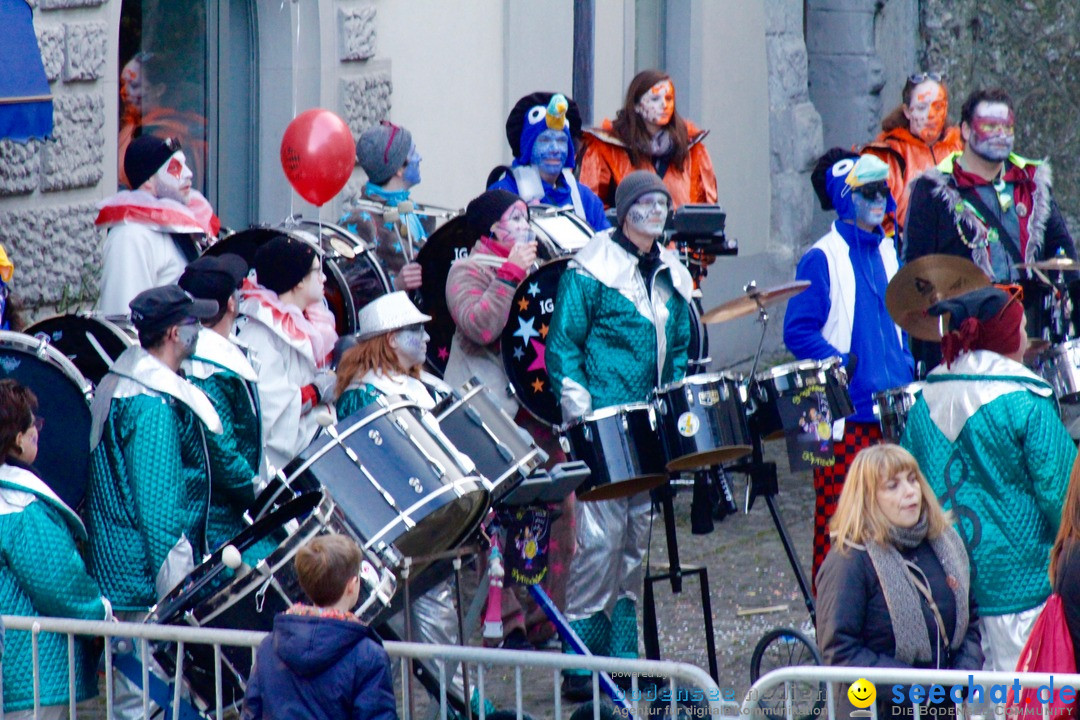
(605, 162)
(908, 157)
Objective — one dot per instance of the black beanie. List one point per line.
(633, 186)
(485, 210)
(145, 156)
(283, 262)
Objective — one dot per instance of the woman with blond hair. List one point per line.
(895, 589)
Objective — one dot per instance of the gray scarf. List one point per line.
(901, 580)
(661, 144)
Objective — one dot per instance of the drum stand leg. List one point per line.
(462, 640)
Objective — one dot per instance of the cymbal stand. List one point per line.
(763, 318)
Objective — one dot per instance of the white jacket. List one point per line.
(136, 258)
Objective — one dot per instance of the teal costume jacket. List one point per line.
(149, 487)
(987, 435)
(42, 573)
(611, 340)
(221, 369)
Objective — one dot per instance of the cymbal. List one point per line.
(1057, 264)
(924, 282)
(754, 300)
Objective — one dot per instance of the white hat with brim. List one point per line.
(387, 313)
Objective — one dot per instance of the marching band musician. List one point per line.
(148, 489)
(543, 167)
(284, 322)
(156, 228)
(843, 313)
(479, 291)
(620, 328)
(388, 155)
(220, 367)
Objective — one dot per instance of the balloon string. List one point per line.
(295, 16)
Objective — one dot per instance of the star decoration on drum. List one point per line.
(524, 348)
(444, 354)
(523, 304)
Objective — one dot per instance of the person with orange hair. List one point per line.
(649, 134)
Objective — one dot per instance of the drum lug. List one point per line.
(260, 594)
(564, 443)
(375, 436)
(415, 484)
(689, 391)
(652, 419)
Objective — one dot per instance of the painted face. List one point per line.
(992, 131)
(869, 204)
(927, 111)
(411, 345)
(657, 105)
(900, 498)
(189, 335)
(131, 86)
(172, 181)
(648, 214)
(412, 167)
(549, 152)
(312, 284)
(513, 226)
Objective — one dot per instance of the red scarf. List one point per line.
(1000, 334)
(1023, 190)
(142, 208)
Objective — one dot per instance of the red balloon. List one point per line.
(318, 154)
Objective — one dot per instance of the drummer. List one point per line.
(479, 291)
(604, 349)
(220, 367)
(843, 312)
(543, 167)
(284, 320)
(389, 158)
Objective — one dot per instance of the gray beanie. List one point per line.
(632, 187)
(382, 150)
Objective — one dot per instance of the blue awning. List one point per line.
(26, 109)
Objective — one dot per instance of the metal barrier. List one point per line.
(685, 684)
(795, 706)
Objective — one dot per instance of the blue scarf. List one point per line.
(392, 198)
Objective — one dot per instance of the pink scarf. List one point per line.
(142, 208)
(315, 324)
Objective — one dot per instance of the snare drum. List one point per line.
(248, 599)
(781, 383)
(622, 448)
(560, 229)
(1060, 366)
(892, 407)
(702, 421)
(90, 341)
(63, 401)
(402, 485)
(504, 453)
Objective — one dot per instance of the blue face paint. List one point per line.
(412, 167)
(550, 151)
(868, 213)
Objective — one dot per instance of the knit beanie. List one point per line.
(485, 210)
(145, 156)
(382, 150)
(633, 186)
(282, 262)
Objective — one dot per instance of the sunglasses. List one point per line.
(1015, 293)
(922, 77)
(873, 190)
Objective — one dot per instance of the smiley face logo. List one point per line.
(862, 693)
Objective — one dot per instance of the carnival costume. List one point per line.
(389, 240)
(43, 574)
(908, 157)
(843, 313)
(223, 371)
(615, 335)
(290, 346)
(149, 487)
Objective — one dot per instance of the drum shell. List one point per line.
(502, 451)
(785, 380)
(702, 421)
(439, 498)
(622, 447)
(892, 407)
(1060, 366)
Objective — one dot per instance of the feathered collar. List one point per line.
(312, 332)
(140, 207)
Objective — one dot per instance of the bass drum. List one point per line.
(524, 341)
(353, 274)
(63, 402)
(91, 342)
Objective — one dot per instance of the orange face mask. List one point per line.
(927, 111)
(657, 105)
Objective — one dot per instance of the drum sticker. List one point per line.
(708, 398)
(526, 552)
(807, 422)
(688, 424)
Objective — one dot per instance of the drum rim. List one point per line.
(610, 411)
(698, 379)
(901, 390)
(43, 350)
(477, 480)
(808, 364)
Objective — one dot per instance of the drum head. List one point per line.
(63, 402)
(91, 343)
(524, 340)
(560, 228)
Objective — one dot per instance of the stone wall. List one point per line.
(1032, 49)
(46, 222)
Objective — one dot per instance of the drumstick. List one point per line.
(405, 207)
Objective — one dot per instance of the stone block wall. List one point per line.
(48, 189)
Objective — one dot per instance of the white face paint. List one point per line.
(657, 105)
(513, 227)
(172, 181)
(411, 345)
(648, 214)
(189, 334)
